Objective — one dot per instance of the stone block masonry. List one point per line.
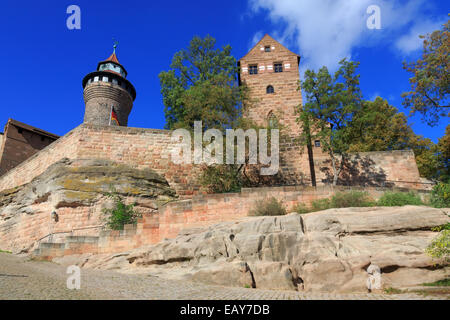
(181, 216)
(139, 148)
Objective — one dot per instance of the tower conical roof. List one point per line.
(113, 58)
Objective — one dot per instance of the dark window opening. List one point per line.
(270, 90)
(20, 130)
(317, 143)
(272, 121)
(267, 49)
(278, 67)
(253, 69)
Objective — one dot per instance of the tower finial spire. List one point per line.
(116, 43)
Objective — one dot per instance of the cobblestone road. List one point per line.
(21, 278)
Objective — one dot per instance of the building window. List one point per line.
(253, 69)
(267, 48)
(272, 120)
(317, 143)
(270, 90)
(278, 67)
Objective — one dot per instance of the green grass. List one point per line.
(439, 283)
(4, 251)
(391, 290)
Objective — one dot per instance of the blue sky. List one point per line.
(43, 62)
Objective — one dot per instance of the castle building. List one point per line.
(108, 94)
(19, 142)
(269, 70)
(52, 185)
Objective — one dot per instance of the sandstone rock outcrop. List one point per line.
(328, 251)
(76, 189)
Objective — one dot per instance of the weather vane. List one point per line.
(116, 43)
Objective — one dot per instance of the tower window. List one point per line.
(267, 48)
(270, 90)
(317, 143)
(253, 69)
(278, 67)
(272, 120)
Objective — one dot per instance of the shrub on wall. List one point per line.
(120, 214)
(321, 204)
(301, 208)
(268, 207)
(220, 178)
(398, 199)
(440, 195)
(351, 199)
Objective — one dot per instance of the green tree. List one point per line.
(201, 85)
(430, 84)
(332, 102)
(378, 126)
(443, 147)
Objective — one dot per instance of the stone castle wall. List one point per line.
(64, 147)
(19, 142)
(140, 148)
(180, 216)
(151, 148)
(380, 168)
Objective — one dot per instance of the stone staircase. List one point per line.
(107, 241)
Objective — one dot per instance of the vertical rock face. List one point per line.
(328, 251)
(76, 190)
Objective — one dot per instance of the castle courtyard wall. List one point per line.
(199, 212)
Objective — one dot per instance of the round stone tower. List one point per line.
(108, 95)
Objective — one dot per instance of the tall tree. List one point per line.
(202, 85)
(332, 102)
(444, 156)
(430, 84)
(378, 126)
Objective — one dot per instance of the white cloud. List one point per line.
(411, 42)
(256, 37)
(326, 31)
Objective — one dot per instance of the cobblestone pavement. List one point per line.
(21, 278)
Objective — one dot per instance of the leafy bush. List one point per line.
(121, 214)
(398, 199)
(351, 199)
(268, 207)
(301, 209)
(440, 195)
(321, 204)
(221, 178)
(440, 246)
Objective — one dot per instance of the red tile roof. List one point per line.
(113, 58)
